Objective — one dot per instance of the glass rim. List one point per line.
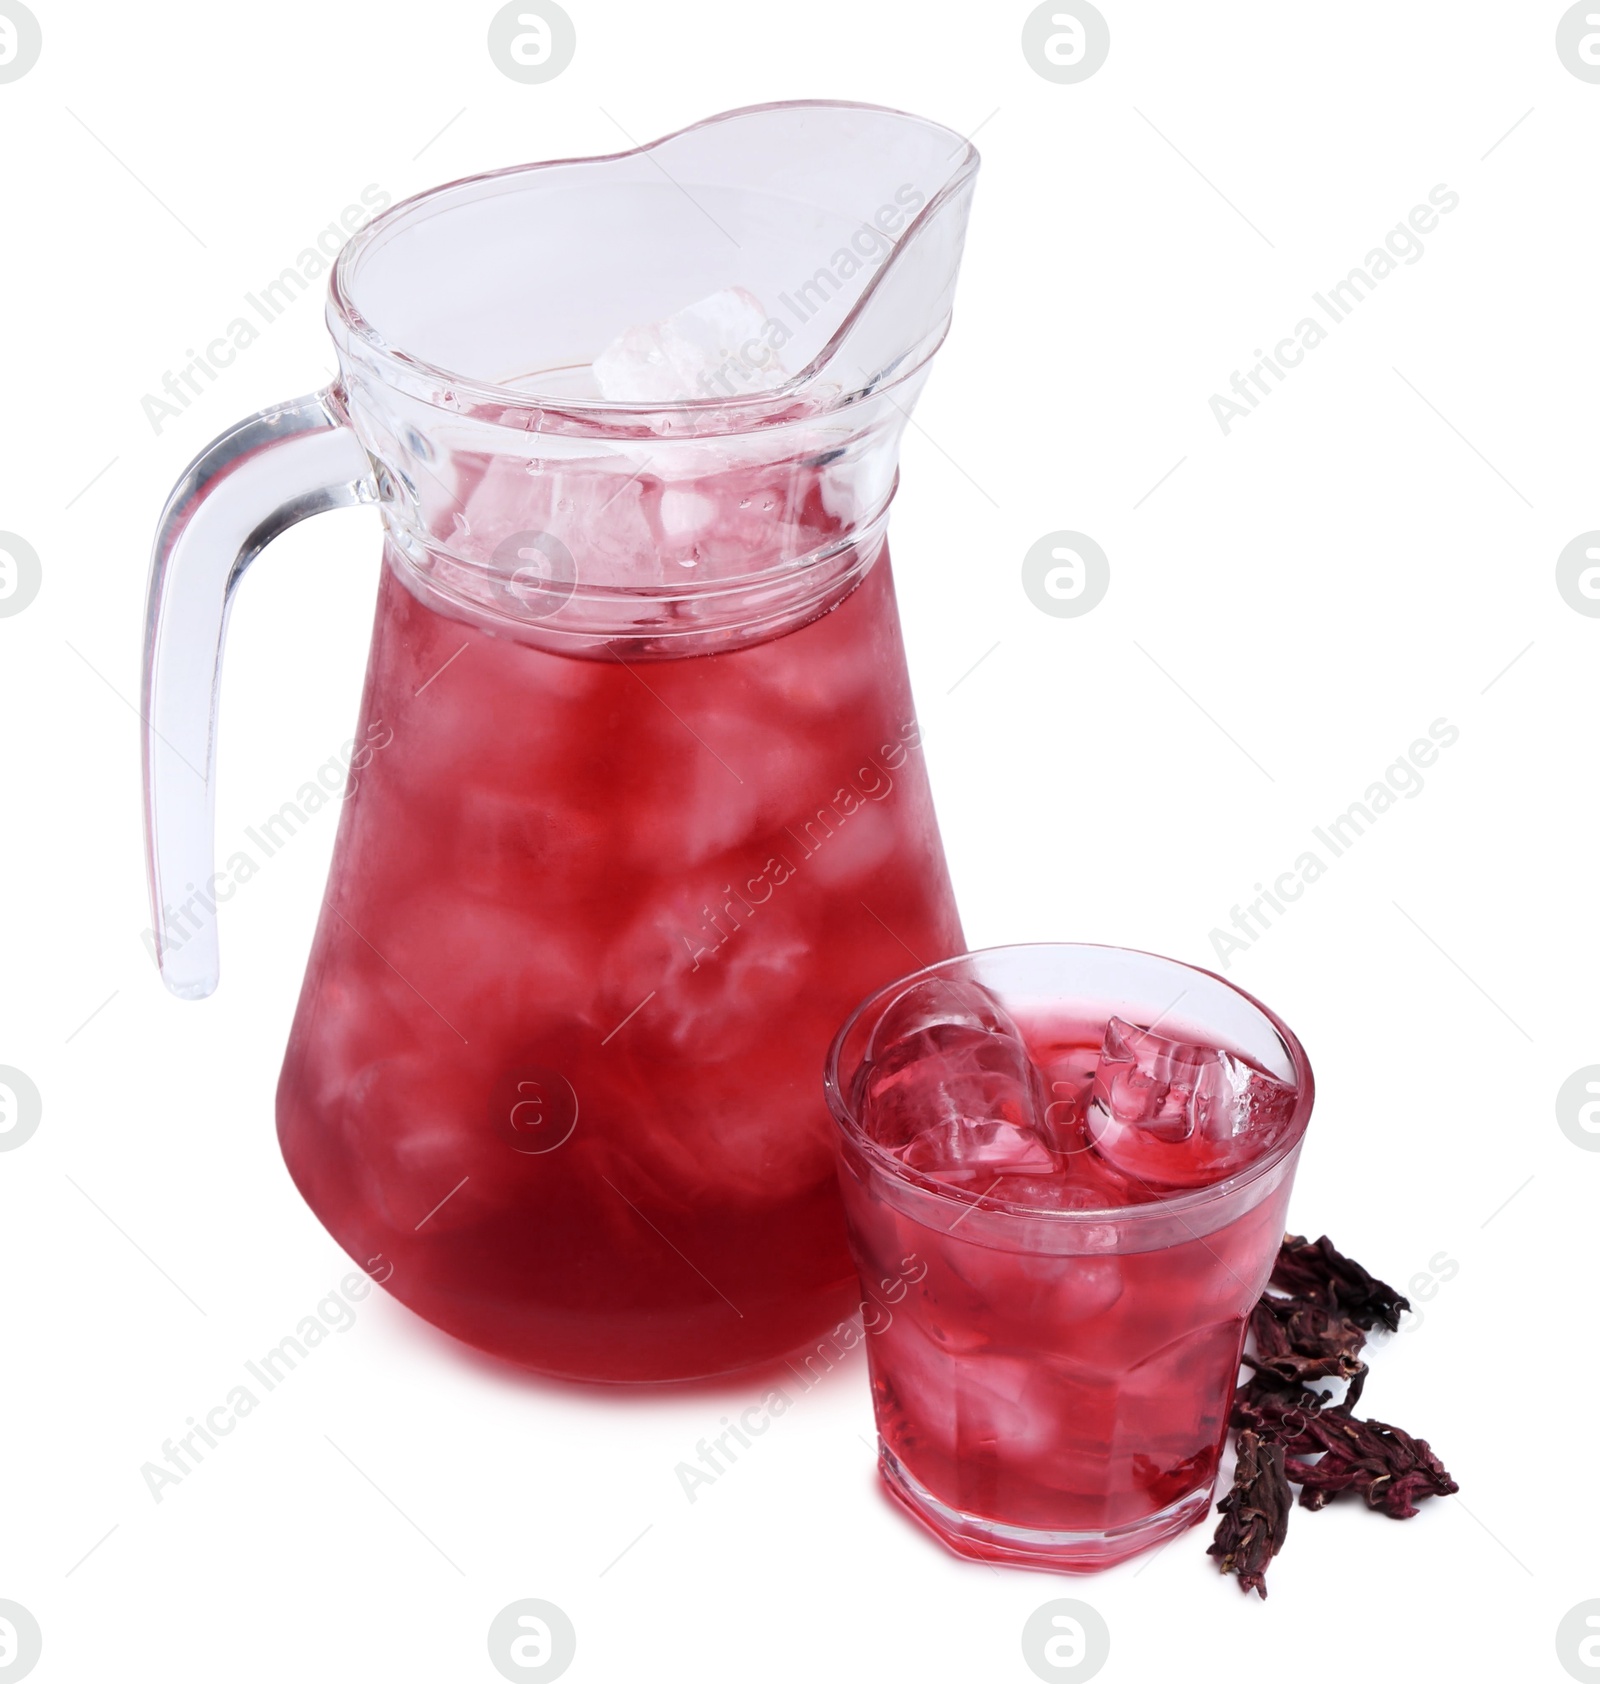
(1183, 1200)
(522, 407)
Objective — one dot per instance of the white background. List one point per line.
(1288, 609)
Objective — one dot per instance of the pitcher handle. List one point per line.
(251, 483)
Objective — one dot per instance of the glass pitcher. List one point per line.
(636, 812)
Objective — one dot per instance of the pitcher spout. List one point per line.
(896, 276)
(770, 262)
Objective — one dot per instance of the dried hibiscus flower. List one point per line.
(1275, 1411)
(1392, 1470)
(1314, 1328)
(1297, 1340)
(1255, 1513)
(1318, 1272)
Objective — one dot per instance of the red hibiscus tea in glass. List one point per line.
(1079, 1159)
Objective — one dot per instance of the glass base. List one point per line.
(1025, 1546)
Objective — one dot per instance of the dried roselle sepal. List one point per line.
(1255, 1513)
(1299, 1340)
(1265, 1380)
(1305, 1326)
(1318, 1271)
(1275, 1411)
(1391, 1470)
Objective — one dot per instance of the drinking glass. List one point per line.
(1053, 1347)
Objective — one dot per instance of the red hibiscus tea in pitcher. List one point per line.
(591, 922)
(640, 808)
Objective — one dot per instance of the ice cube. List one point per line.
(1055, 1291)
(963, 1149)
(1083, 1182)
(598, 511)
(948, 1083)
(1175, 1114)
(937, 1003)
(719, 346)
(999, 1401)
